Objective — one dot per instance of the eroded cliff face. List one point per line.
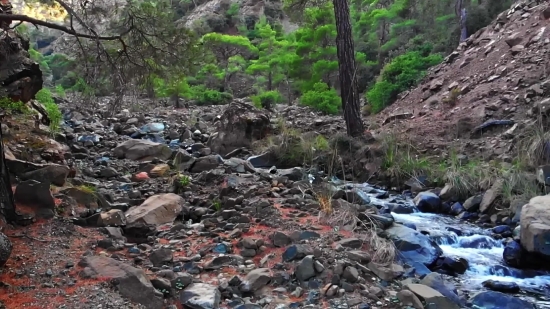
(20, 76)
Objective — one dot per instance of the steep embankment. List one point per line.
(499, 73)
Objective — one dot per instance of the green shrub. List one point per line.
(13, 107)
(267, 99)
(322, 98)
(60, 91)
(205, 96)
(44, 96)
(399, 75)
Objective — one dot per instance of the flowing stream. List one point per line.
(458, 238)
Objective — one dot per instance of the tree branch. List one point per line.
(34, 21)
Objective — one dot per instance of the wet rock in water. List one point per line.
(501, 229)
(498, 300)
(513, 254)
(201, 296)
(428, 202)
(453, 265)
(456, 209)
(138, 149)
(131, 282)
(413, 245)
(156, 210)
(535, 226)
(501, 286)
(5, 249)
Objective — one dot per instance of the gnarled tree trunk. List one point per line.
(346, 69)
(7, 203)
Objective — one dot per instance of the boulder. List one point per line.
(54, 174)
(512, 254)
(498, 300)
(113, 217)
(535, 226)
(433, 298)
(305, 270)
(131, 282)
(5, 249)
(201, 296)
(36, 196)
(206, 163)
(438, 283)
(427, 202)
(414, 245)
(156, 210)
(141, 150)
(256, 279)
(239, 126)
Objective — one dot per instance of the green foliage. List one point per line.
(13, 107)
(399, 75)
(204, 96)
(60, 91)
(396, 41)
(322, 98)
(44, 96)
(184, 180)
(217, 204)
(267, 99)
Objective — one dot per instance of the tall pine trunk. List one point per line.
(346, 69)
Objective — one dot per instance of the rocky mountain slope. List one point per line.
(499, 73)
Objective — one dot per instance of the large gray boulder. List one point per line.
(156, 210)
(239, 126)
(140, 149)
(131, 282)
(535, 225)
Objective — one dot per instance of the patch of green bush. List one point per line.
(13, 107)
(205, 96)
(400, 74)
(267, 99)
(44, 96)
(322, 98)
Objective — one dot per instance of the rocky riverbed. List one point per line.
(173, 208)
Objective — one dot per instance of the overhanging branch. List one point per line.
(38, 22)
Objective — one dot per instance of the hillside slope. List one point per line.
(499, 73)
